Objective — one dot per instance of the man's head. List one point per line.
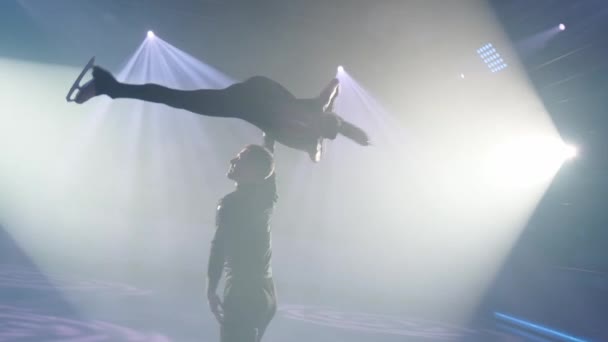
(253, 164)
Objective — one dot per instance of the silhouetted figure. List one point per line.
(297, 123)
(242, 248)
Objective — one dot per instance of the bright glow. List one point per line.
(562, 27)
(569, 152)
(528, 160)
(151, 34)
(537, 328)
(340, 68)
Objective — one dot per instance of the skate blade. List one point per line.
(76, 85)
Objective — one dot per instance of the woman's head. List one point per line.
(330, 125)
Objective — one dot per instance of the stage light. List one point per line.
(491, 57)
(340, 68)
(150, 34)
(562, 27)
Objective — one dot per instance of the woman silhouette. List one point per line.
(301, 124)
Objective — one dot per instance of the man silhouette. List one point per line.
(242, 248)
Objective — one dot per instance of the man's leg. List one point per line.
(248, 311)
(269, 310)
(238, 333)
(239, 324)
(262, 328)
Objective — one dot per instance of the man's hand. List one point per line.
(215, 304)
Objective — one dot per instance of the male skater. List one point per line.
(297, 123)
(241, 246)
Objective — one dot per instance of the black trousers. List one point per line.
(249, 306)
(250, 100)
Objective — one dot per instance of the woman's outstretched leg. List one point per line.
(210, 102)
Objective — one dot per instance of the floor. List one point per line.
(37, 306)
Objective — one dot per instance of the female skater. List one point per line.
(301, 124)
